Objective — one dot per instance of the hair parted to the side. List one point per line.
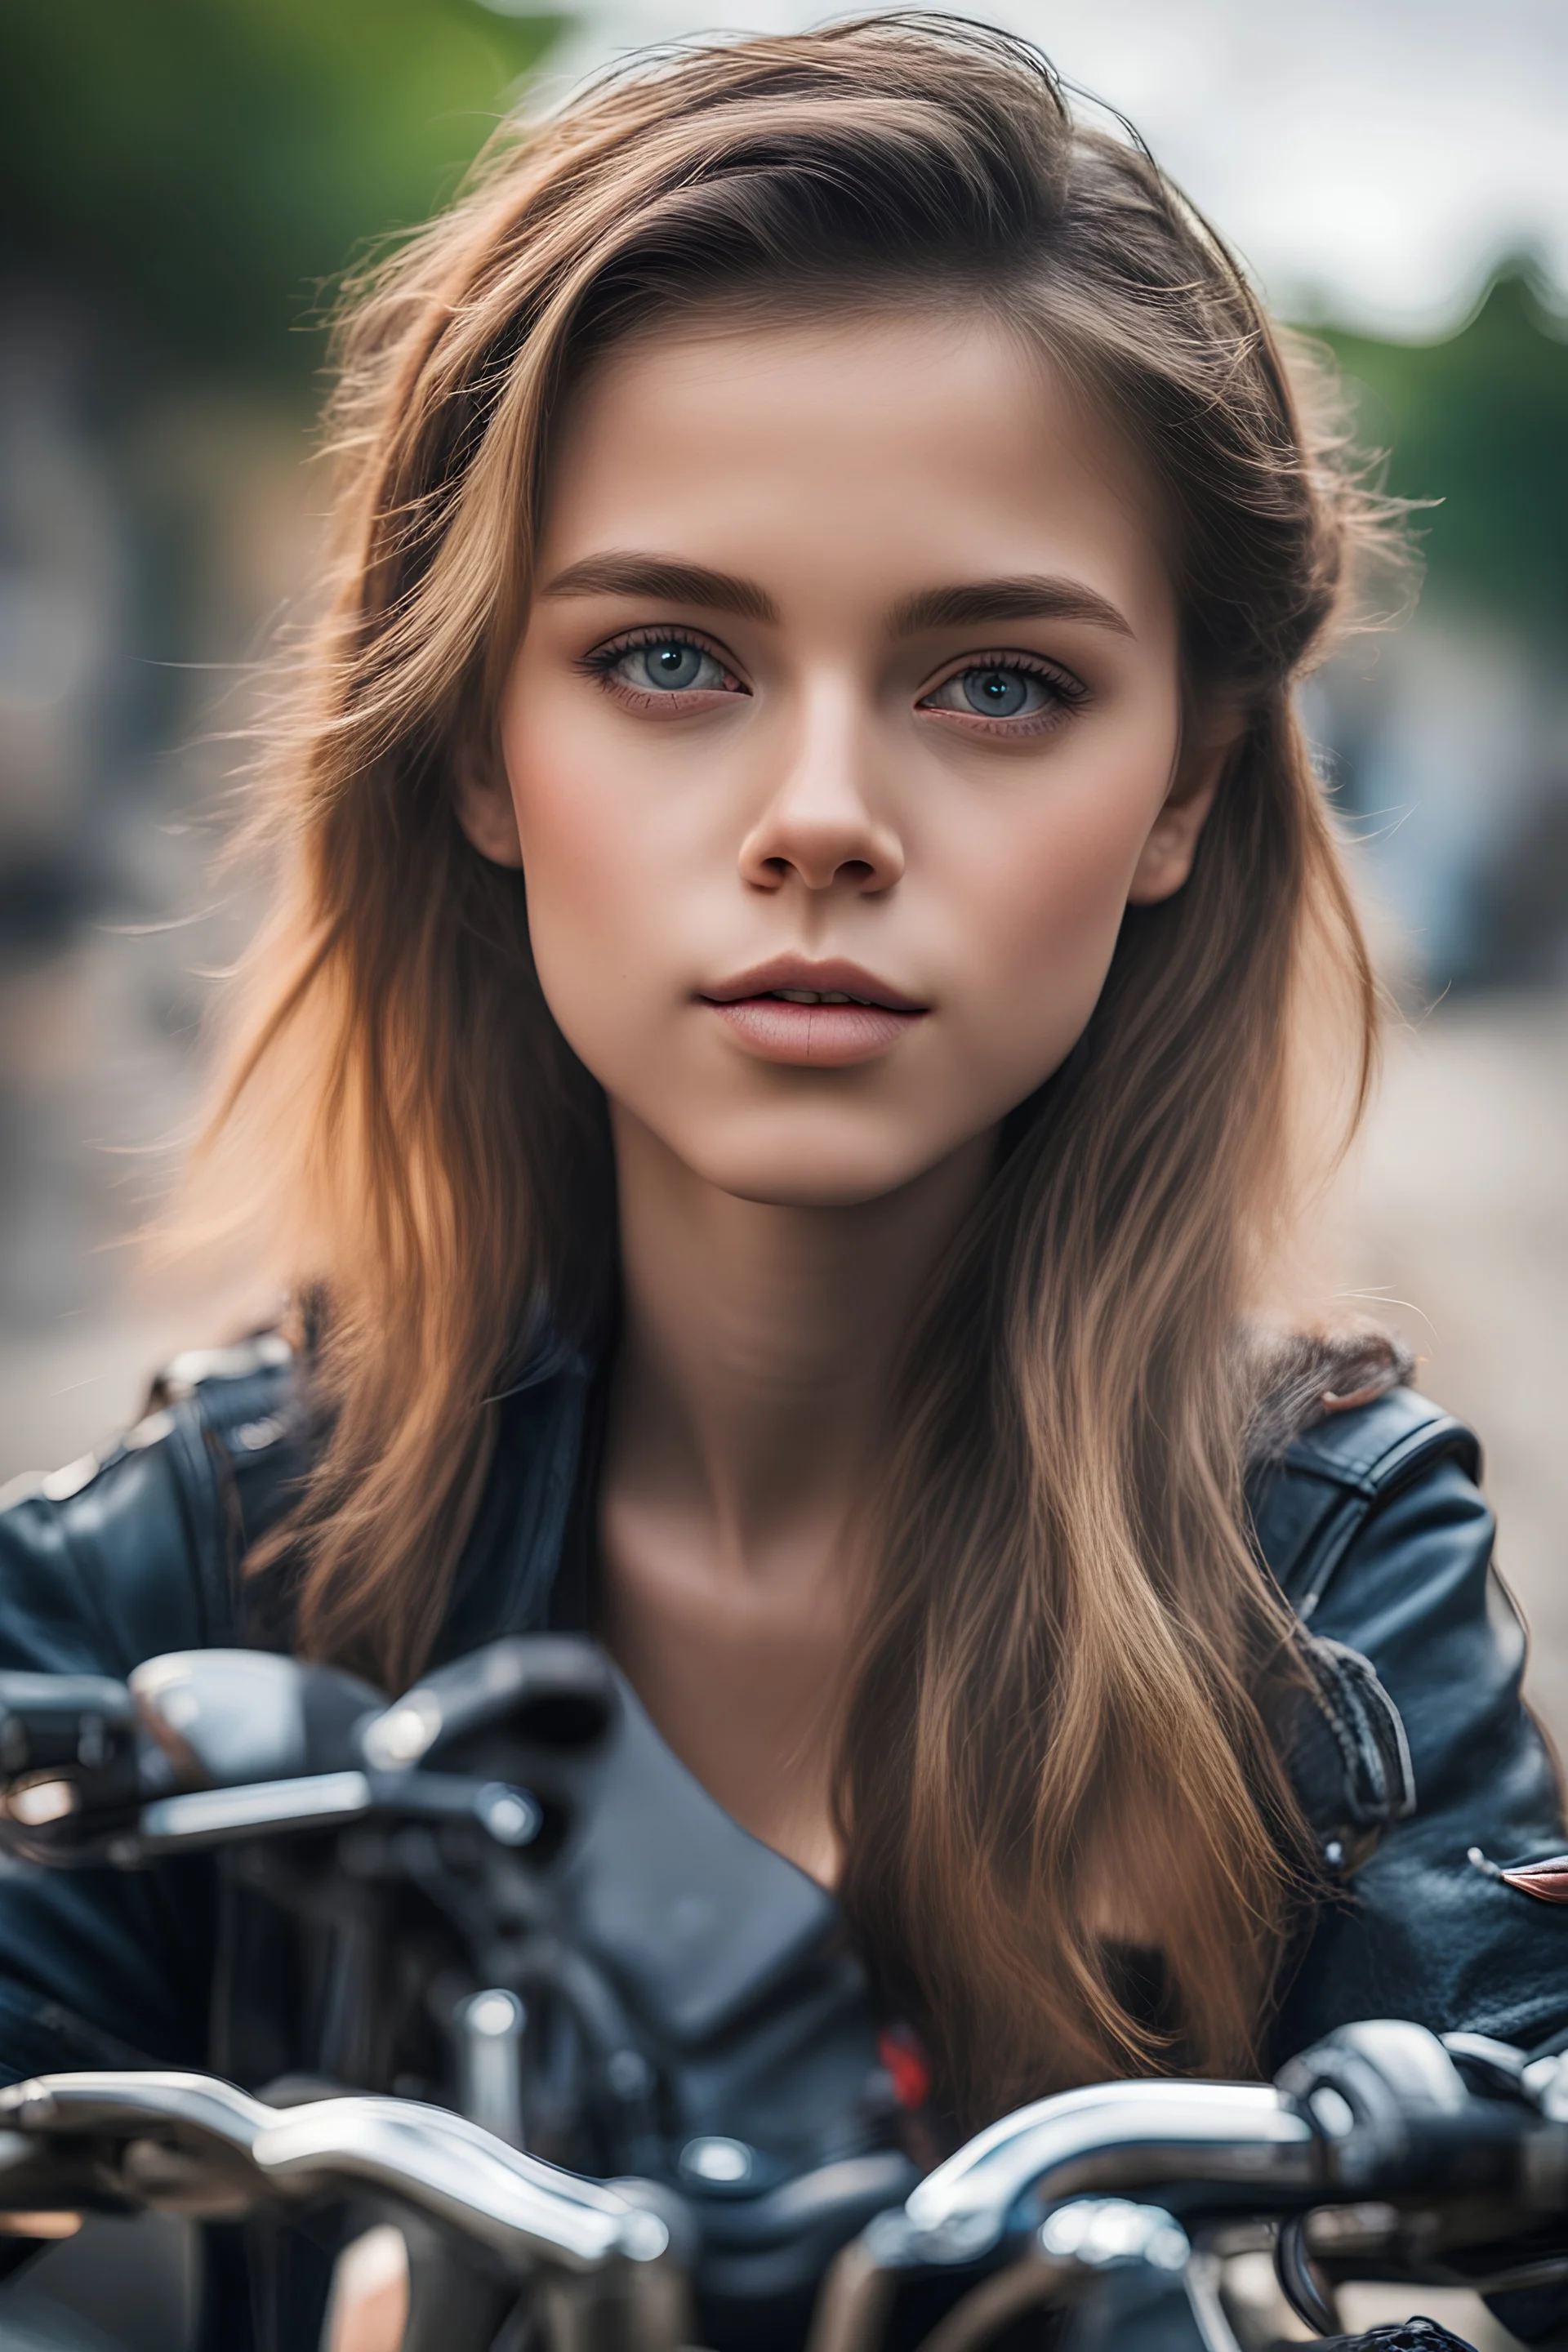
(1053, 1753)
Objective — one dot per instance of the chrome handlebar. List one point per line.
(1007, 2196)
(521, 2210)
(1097, 2146)
(531, 2219)
(1109, 2137)
(1377, 2110)
(1112, 2137)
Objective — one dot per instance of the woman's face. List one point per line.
(845, 727)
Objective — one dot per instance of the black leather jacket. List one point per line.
(1370, 1523)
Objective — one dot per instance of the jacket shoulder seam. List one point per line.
(1354, 1463)
(1375, 1448)
(208, 1411)
(209, 1380)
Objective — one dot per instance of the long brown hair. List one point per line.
(1054, 1763)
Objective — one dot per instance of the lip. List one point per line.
(814, 1037)
(831, 977)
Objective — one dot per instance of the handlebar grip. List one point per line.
(67, 1760)
(1396, 2115)
(61, 1723)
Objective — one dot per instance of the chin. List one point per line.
(803, 1175)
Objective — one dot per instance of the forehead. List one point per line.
(893, 450)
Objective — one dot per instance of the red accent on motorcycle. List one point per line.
(1547, 1881)
(909, 2069)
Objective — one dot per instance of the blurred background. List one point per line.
(180, 183)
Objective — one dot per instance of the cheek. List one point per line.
(1045, 885)
(601, 864)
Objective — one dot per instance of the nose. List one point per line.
(821, 826)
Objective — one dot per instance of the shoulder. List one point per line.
(1373, 1526)
(132, 1551)
(1316, 1498)
(1373, 1522)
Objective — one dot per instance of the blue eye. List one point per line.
(1000, 693)
(670, 666)
(998, 690)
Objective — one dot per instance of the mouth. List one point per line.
(816, 1015)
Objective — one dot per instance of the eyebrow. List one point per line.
(972, 603)
(666, 579)
(1028, 598)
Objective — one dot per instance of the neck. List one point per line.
(759, 1342)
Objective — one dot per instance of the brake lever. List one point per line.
(127, 1836)
(81, 1754)
(508, 1815)
(203, 1747)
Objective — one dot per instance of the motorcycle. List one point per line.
(607, 2066)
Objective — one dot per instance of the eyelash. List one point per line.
(1067, 691)
(600, 665)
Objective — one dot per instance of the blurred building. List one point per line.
(1448, 737)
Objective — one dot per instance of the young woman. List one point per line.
(777, 1075)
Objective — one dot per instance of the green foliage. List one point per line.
(1480, 422)
(206, 165)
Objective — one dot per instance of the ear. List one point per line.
(1166, 858)
(481, 797)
